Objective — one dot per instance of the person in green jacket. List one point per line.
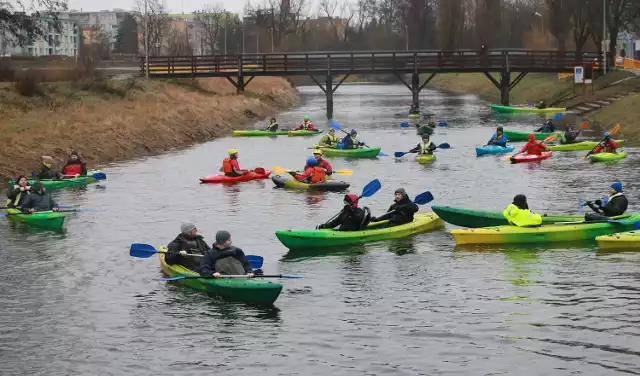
(47, 170)
(330, 139)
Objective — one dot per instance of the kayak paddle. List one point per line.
(97, 176)
(333, 124)
(611, 132)
(280, 171)
(59, 211)
(423, 198)
(583, 203)
(404, 124)
(181, 277)
(140, 250)
(369, 190)
(444, 145)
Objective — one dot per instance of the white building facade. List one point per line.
(62, 42)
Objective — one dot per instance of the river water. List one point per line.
(76, 304)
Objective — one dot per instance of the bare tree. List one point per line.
(450, 22)
(621, 14)
(152, 18)
(580, 22)
(21, 19)
(281, 18)
(178, 43)
(212, 18)
(559, 20)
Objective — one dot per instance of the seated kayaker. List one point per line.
(47, 170)
(548, 127)
(350, 141)
(312, 174)
(518, 213)
(273, 125)
(225, 259)
(533, 147)
(230, 165)
(424, 129)
(430, 122)
(541, 105)
(38, 200)
(330, 139)
(18, 193)
(185, 244)
(498, 138)
(322, 163)
(616, 205)
(569, 136)
(605, 146)
(306, 125)
(424, 147)
(400, 212)
(75, 166)
(415, 109)
(350, 218)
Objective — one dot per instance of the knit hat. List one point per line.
(352, 199)
(222, 236)
(617, 186)
(187, 227)
(37, 186)
(402, 191)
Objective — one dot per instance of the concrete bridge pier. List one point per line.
(416, 86)
(328, 89)
(505, 85)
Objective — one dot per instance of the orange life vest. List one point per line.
(317, 175)
(227, 167)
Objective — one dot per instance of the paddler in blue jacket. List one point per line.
(498, 138)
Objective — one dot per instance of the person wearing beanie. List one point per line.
(330, 139)
(350, 218)
(607, 145)
(616, 205)
(187, 248)
(273, 125)
(425, 147)
(47, 170)
(498, 138)
(400, 212)
(75, 166)
(306, 125)
(518, 213)
(548, 127)
(225, 259)
(532, 147)
(38, 200)
(350, 141)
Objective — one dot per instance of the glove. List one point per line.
(598, 202)
(589, 203)
(321, 226)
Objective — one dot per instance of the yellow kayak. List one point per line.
(623, 240)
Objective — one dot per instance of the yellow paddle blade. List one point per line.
(278, 170)
(507, 158)
(344, 172)
(551, 138)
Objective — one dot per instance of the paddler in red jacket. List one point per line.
(607, 145)
(307, 125)
(533, 147)
(312, 174)
(230, 165)
(75, 166)
(322, 163)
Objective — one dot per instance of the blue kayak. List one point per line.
(493, 149)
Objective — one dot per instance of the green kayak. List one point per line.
(250, 290)
(560, 232)
(351, 153)
(484, 218)
(524, 136)
(260, 133)
(304, 133)
(81, 181)
(606, 157)
(314, 239)
(48, 220)
(584, 145)
(517, 109)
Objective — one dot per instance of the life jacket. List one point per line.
(72, 169)
(332, 138)
(307, 124)
(424, 148)
(227, 167)
(521, 217)
(317, 174)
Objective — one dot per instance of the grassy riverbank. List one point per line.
(109, 120)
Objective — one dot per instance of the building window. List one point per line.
(50, 51)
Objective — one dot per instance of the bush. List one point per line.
(7, 72)
(28, 85)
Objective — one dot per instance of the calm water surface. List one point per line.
(77, 304)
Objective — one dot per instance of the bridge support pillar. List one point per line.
(505, 85)
(416, 86)
(328, 88)
(240, 83)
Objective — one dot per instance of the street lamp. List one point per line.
(542, 25)
(604, 37)
(146, 39)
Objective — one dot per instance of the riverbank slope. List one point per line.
(111, 120)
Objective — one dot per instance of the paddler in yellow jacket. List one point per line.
(330, 139)
(518, 213)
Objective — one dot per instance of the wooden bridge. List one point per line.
(497, 65)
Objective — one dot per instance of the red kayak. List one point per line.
(530, 157)
(258, 173)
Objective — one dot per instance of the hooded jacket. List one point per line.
(39, 202)
(350, 218)
(230, 260)
(48, 172)
(616, 205)
(518, 213)
(533, 147)
(196, 246)
(400, 212)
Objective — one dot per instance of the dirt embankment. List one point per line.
(562, 93)
(109, 120)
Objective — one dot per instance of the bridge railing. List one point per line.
(337, 62)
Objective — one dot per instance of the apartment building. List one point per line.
(62, 42)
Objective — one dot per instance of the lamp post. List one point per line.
(604, 37)
(146, 39)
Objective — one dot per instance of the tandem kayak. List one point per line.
(484, 218)
(623, 240)
(250, 290)
(516, 109)
(260, 133)
(607, 157)
(305, 239)
(282, 181)
(584, 145)
(351, 153)
(92, 176)
(304, 133)
(493, 149)
(560, 232)
(425, 158)
(252, 175)
(524, 136)
(48, 220)
(522, 158)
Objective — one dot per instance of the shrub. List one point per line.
(28, 85)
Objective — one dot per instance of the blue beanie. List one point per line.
(617, 186)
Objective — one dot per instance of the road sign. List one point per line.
(578, 74)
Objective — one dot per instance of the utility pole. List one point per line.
(146, 38)
(225, 36)
(604, 37)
